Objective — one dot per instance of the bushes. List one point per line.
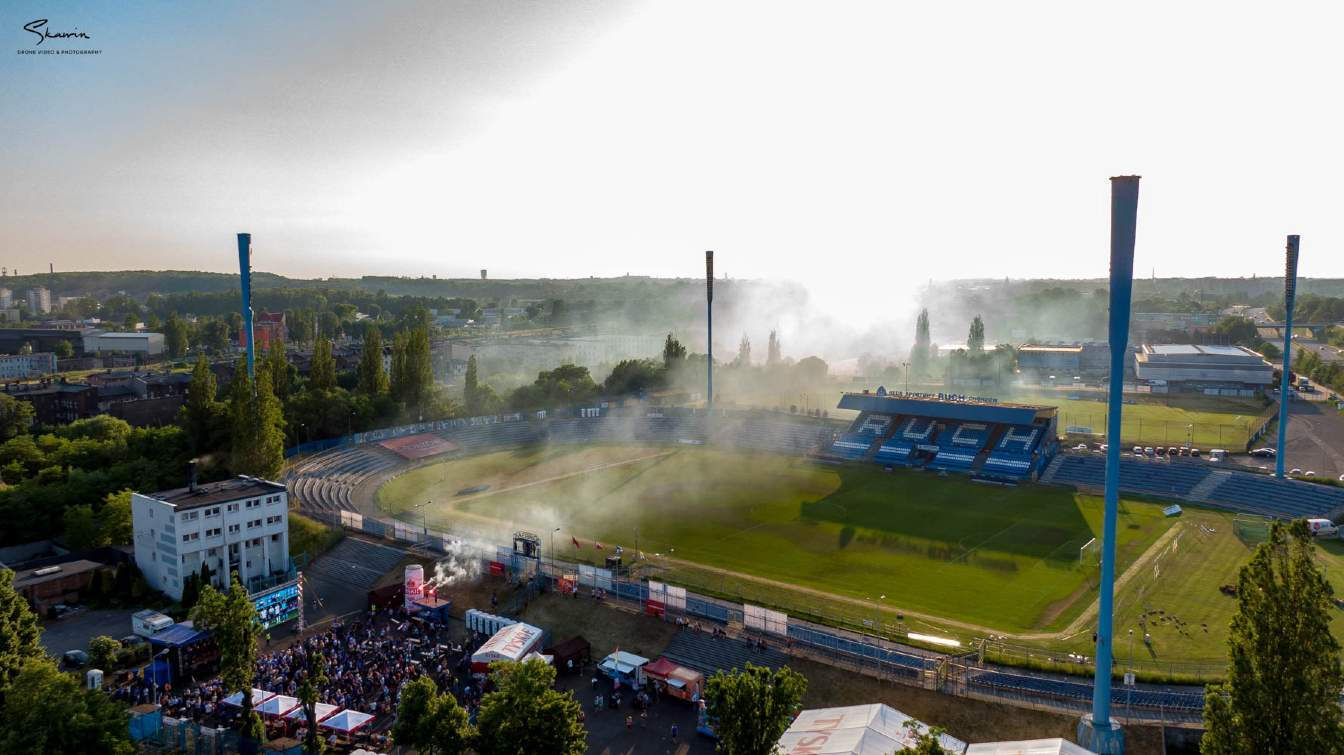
(311, 536)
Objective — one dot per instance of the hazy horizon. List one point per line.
(597, 139)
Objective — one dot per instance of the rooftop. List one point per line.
(126, 335)
(1185, 349)
(31, 577)
(205, 494)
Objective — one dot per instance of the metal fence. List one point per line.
(819, 636)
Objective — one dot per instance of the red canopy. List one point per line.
(660, 668)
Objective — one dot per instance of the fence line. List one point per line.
(854, 650)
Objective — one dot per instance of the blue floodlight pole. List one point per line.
(245, 268)
(709, 320)
(1105, 735)
(1289, 299)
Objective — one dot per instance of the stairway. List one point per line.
(883, 437)
(1204, 489)
(354, 563)
(1048, 477)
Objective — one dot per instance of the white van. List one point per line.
(1322, 528)
(1218, 454)
(147, 623)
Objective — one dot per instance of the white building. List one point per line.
(39, 300)
(98, 341)
(236, 525)
(1214, 370)
(6, 298)
(27, 366)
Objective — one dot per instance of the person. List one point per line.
(629, 722)
(674, 733)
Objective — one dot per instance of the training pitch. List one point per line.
(1002, 559)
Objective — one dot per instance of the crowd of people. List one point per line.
(367, 660)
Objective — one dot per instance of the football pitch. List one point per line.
(1002, 559)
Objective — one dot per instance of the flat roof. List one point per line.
(205, 494)
(127, 335)
(1073, 349)
(1186, 349)
(30, 577)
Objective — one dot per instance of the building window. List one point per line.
(234, 528)
(212, 512)
(190, 536)
(272, 520)
(212, 533)
(275, 538)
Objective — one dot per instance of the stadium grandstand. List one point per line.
(1195, 481)
(984, 437)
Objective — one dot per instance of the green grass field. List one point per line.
(1210, 422)
(1005, 558)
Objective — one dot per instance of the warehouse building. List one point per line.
(1213, 370)
(1064, 361)
(149, 344)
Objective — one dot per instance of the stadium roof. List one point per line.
(939, 406)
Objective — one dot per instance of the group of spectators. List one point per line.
(367, 661)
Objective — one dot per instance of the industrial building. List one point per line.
(12, 340)
(1064, 361)
(1214, 370)
(39, 300)
(56, 403)
(149, 344)
(236, 525)
(27, 366)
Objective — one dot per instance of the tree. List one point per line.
(215, 336)
(19, 633)
(175, 336)
(566, 385)
(309, 690)
(372, 376)
(81, 528)
(232, 619)
(48, 711)
(772, 350)
(277, 364)
(103, 651)
(470, 385)
(975, 339)
(201, 414)
(430, 722)
(1283, 678)
(634, 376)
(926, 742)
(744, 352)
(322, 373)
(16, 417)
(811, 370)
(412, 370)
(752, 707)
(114, 518)
(257, 427)
(63, 349)
(919, 353)
(526, 714)
(673, 352)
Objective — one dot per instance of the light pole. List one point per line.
(557, 529)
(906, 369)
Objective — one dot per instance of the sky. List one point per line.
(860, 148)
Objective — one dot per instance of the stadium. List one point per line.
(955, 517)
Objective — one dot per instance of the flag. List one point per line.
(576, 541)
(597, 545)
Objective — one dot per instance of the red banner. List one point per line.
(496, 569)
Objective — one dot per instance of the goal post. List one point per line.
(1251, 529)
(1089, 554)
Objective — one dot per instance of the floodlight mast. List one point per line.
(1285, 382)
(709, 326)
(1100, 734)
(245, 269)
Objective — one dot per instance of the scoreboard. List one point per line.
(278, 604)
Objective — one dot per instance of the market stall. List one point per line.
(323, 711)
(259, 696)
(278, 705)
(626, 668)
(676, 680)
(572, 654)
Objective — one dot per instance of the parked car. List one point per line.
(1194, 452)
(1147, 450)
(1160, 451)
(74, 659)
(1308, 473)
(132, 641)
(1080, 447)
(1295, 470)
(1263, 453)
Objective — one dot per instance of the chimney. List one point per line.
(191, 475)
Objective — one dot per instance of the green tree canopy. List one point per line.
(752, 707)
(314, 681)
(975, 339)
(114, 518)
(1283, 679)
(81, 528)
(16, 417)
(19, 634)
(673, 352)
(430, 722)
(48, 711)
(372, 376)
(322, 373)
(201, 415)
(526, 714)
(232, 619)
(175, 337)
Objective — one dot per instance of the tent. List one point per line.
(626, 668)
(259, 696)
(346, 721)
(675, 680)
(873, 729)
(1029, 747)
(546, 659)
(323, 711)
(511, 643)
(278, 705)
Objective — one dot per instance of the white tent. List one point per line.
(259, 696)
(1029, 747)
(278, 705)
(323, 710)
(511, 643)
(873, 729)
(346, 721)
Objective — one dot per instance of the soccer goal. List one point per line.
(1089, 555)
(1250, 528)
